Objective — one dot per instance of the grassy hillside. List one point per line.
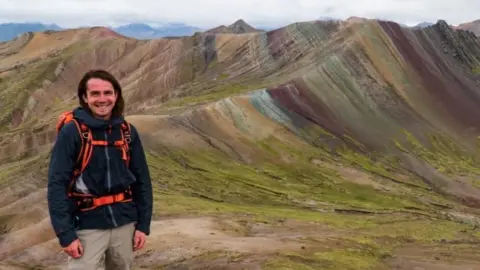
(332, 145)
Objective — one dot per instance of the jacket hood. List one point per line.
(95, 123)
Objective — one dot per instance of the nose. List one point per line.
(102, 97)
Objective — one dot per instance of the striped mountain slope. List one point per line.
(347, 144)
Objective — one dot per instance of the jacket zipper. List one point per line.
(109, 180)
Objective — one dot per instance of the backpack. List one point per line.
(86, 151)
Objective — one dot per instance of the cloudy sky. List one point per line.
(209, 13)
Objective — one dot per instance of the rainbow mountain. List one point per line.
(324, 144)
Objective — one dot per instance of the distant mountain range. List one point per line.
(144, 31)
(423, 25)
(9, 31)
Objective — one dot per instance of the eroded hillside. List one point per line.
(332, 145)
(471, 26)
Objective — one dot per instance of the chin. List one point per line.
(102, 114)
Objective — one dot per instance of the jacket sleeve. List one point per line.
(62, 162)
(142, 188)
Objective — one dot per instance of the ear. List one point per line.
(85, 98)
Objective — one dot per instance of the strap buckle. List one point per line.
(86, 203)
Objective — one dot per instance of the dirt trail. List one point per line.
(175, 240)
(178, 239)
(226, 243)
(445, 256)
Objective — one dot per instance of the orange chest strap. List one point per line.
(89, 203)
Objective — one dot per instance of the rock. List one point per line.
(460, 42)
(59, 69)
(46, 83)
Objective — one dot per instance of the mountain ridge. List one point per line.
(473, 26)
(359, 136)
(9, 31)
(139, 30)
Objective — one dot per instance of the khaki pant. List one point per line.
(105, 249)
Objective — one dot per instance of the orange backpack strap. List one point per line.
(127, 139)
(85, 148)
(64, 119)
(85, 151)
(88, 201)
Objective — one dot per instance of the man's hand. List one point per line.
(75, 249)
(138, 240)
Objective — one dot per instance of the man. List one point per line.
(103, 209)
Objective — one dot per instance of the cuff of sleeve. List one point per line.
(66, 238)
(143, 228)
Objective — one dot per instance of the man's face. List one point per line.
(100, 98)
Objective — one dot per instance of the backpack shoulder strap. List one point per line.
(127, 139)
(127, 131)
(84, 154)
(65, 118)
(86, 150)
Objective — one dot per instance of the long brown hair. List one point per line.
(106, 76)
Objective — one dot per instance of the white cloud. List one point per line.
(209, 13)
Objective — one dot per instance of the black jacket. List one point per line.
(106, 173)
